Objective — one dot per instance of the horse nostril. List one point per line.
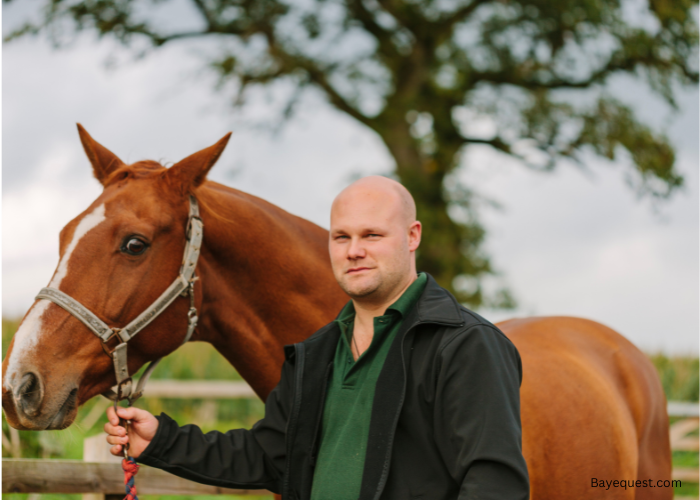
(29, 393)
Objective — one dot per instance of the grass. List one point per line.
(678, 375)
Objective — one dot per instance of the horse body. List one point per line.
(592, 407)
(591, 403)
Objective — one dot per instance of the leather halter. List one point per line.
(183, 285)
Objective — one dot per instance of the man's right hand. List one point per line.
(141, 430)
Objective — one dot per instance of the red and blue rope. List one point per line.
(130, 469)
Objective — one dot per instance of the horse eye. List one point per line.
(134, 246)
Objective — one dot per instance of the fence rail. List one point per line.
(198, 389)
(76, 476)
(101, 473)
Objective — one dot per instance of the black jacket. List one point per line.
(445, 421)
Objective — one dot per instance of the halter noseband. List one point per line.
(183, 285)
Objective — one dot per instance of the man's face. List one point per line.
(371, 243)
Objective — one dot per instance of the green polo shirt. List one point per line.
(348, 408)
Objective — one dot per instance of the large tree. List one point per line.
(420, 73)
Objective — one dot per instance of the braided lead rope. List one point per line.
(130, 468)
(129, 465)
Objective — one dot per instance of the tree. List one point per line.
(420, 72)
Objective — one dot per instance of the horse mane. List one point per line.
(209, 202)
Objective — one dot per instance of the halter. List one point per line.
(183, 285)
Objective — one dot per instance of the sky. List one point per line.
(576, 242)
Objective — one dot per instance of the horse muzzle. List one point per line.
(28, 407)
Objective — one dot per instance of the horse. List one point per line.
(592, 406)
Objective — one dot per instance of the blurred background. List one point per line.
(551, 146)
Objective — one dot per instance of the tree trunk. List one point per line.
(448, 248)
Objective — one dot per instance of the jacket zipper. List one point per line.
(387, 458)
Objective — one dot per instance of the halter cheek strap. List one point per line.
(182, 286)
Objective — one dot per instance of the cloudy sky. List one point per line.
(570, 243)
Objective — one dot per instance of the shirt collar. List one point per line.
(409, 298)
(402, 305)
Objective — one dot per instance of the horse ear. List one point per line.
(191, 172)
(104, 162)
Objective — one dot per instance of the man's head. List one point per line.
(373, 238)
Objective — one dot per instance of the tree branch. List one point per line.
(318, 77)
(618, 61)
(496, 143)
(405, 14)
(199, 4)
(366, 18)
(448, 21)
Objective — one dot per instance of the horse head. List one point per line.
(116, 258)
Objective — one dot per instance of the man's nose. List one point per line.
(356, 250)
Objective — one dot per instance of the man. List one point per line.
(406, 395)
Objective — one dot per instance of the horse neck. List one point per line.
(266, 282)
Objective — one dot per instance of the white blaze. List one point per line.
(89, 221)
(28, 334)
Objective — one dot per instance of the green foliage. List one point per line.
(195, 360)
(9, 327)
(679, 376)
(408, 69)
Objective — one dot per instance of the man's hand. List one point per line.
(141, 430)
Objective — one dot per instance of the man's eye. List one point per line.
(134, 246)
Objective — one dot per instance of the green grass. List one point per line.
(678, 375)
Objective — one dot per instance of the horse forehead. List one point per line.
(138, 201)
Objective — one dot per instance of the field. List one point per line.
(679, 376)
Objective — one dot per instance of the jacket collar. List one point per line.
(437, 305)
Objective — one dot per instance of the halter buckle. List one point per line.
(127, 382)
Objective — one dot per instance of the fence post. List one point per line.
(96, 449)
(683, 439)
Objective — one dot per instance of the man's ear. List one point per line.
(191, 172)
(414, 235)
(103, 161)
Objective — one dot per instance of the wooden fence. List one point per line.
(685, 436)
(76, 476)
(100, 474)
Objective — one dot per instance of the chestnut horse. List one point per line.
(591, 403)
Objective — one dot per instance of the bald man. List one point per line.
(406, 395)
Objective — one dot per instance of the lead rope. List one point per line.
(130, 469)
(129, 465)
